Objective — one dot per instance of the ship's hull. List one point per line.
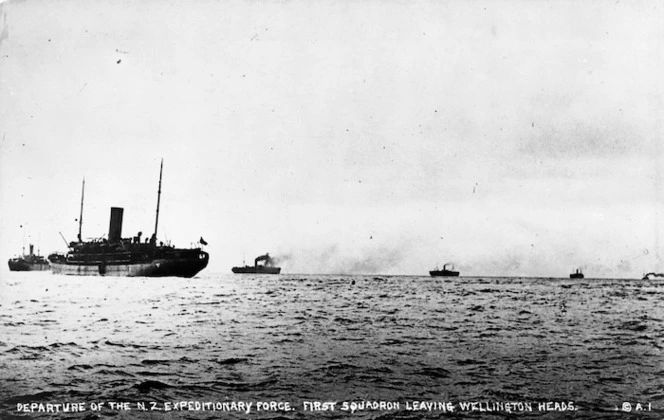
(256, 270)
(576, 276)
(162, 267)
(444, 273)
(21, 265)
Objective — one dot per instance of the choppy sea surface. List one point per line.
(329, 346)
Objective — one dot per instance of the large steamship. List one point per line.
(127, 257)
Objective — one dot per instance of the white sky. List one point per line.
(509, 137)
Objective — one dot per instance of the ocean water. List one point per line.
(329, 346)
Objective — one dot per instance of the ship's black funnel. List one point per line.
(32, 248)
(115, 228)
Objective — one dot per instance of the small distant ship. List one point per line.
(444, 272)
(576, 275)
(266, 268)
(128, 257)
(29, 262)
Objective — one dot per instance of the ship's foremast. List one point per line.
(156, 219)
(80, 218)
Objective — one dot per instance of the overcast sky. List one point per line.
(509, 137)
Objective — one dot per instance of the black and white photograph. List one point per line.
(334, 209)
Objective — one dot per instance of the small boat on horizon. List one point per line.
(266, 268)
(444, 272)
(576, 275)
(28, 262)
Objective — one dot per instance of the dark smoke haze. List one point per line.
(333, 259)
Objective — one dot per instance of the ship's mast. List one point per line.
(80, 218)
(156, 221)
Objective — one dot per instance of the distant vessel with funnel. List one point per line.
(576, 275)
(127, 257)
(28, 262)
(445, 272)
(267, 266)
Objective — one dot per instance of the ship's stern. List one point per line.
(180, 263)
